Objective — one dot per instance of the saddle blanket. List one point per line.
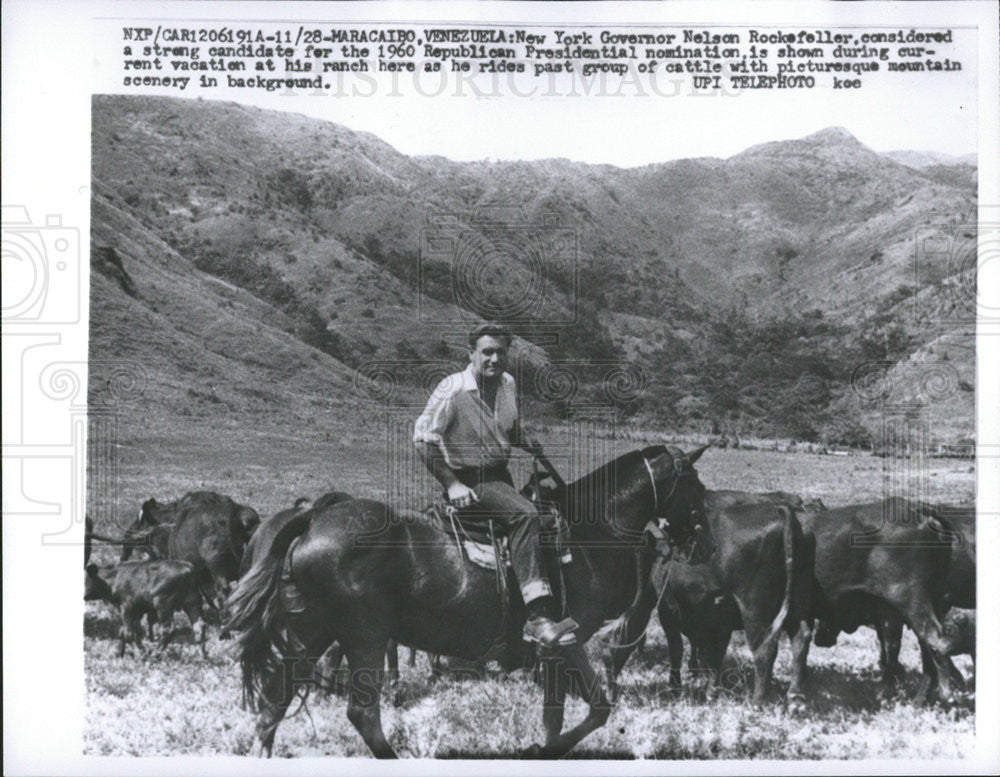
(481, 553)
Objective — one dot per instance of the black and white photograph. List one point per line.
(504, 381)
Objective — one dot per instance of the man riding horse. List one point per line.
(464, 436)
(362, 572)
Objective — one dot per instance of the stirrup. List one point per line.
(548, 633)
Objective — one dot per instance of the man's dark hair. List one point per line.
(489, 329)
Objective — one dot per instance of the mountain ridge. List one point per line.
(329, 229)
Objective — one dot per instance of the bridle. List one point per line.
(652, 481)
(656, 525)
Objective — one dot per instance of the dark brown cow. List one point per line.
(879, 561)
(960, 632)
(205, 528)
(156, 589)
(961, 592)
(759, 579)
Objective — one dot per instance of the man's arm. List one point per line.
(459, 494)
(427, 432)
(433, 458)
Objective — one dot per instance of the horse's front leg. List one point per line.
(569, 669)
(554, 699)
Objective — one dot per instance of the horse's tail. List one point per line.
(788, 534)
(257, 614)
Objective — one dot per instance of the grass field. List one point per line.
(190, 705)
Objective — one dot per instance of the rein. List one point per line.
(656, 532)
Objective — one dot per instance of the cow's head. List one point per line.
(250, 519)
(148, 514)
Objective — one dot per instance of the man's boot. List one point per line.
(541, 628)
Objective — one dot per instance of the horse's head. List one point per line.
(679, 502)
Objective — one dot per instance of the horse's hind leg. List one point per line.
(275, 696)
(296, 671)
(192, 608)
(165, 616)
(363, 708)
(326, 669)
(392, 665)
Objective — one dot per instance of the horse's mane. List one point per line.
(602, 473)
(576, 500)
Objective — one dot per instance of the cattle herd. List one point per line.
(778, 564)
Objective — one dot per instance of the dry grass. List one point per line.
(180, 703)
(190, 705)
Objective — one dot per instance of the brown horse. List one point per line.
(360, 573)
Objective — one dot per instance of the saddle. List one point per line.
(485, 545)
(485, 542)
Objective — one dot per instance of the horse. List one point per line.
(360, 573)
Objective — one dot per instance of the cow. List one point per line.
(202, 527)
(962, 572)
(883, 561)
(960, 632)
(156, 589)
(961, 589)
(151, 540)
(759, 579)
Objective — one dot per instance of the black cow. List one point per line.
(883, 561)
(155, 589)
(961, 590)
(149, 539)
(962, 573)
(202, 527)
(960, 632)
(758, 579)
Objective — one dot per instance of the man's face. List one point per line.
(489, 357)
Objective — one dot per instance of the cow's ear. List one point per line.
(694, 455)
(92, 570)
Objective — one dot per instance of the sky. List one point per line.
(639, 121)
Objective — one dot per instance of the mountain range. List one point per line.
(264, 264)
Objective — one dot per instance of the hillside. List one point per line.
(279, 254)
